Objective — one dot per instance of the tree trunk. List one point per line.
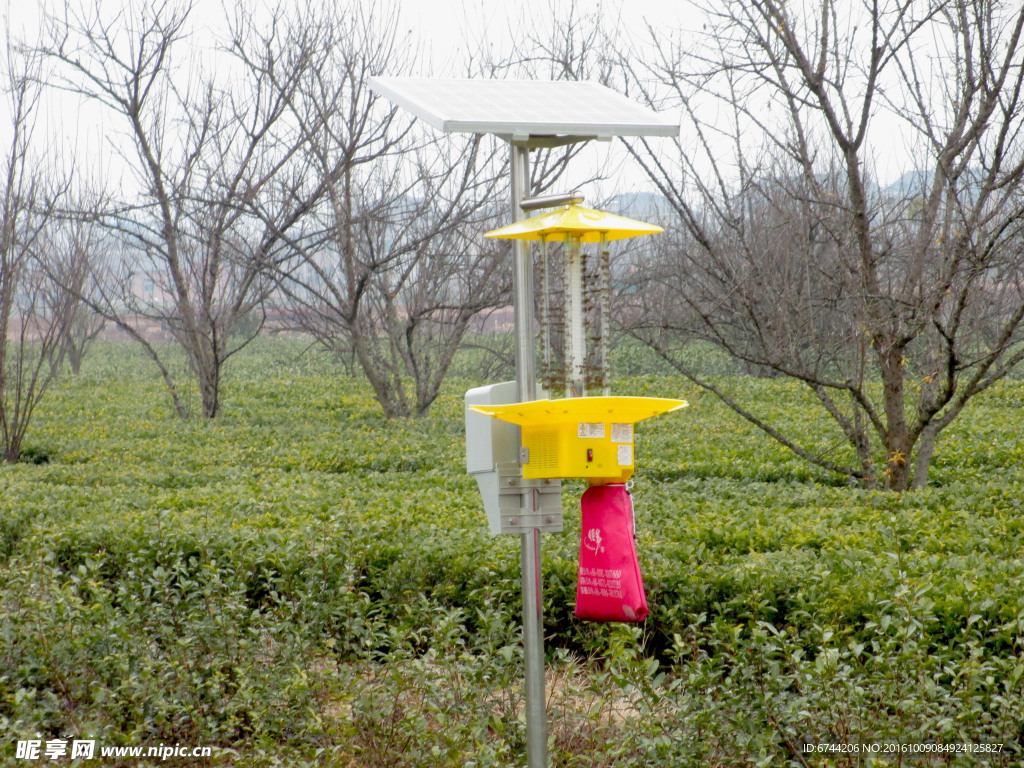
(75, 359)
(388, 392)
(209, 389)
(897, 436)
(12, 451)
(923, 460)
(862, 443)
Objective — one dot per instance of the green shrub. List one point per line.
(301, 582)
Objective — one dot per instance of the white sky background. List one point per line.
(443, 25)
(83, 131)
(441, 28)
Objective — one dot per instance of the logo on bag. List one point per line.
(593, 541)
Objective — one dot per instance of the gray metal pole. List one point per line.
(522, 282)
(530, 552)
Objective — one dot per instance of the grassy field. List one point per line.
(301, 582)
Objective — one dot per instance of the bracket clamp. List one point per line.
(528, 504)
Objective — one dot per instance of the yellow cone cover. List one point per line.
(589, 225)
(622, 410)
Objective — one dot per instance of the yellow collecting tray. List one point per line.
(588, 437)
(628, 410)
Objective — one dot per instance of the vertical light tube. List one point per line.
(575, 340)
(530, 551)
(546, 373)
(604, 273)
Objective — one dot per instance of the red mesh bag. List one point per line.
(609, 586)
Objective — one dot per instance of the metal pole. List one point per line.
(552, 201)
(522, 282)
(530, 553)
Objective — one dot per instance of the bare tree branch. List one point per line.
(906, 300)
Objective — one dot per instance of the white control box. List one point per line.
(490, 442)
(493, 458)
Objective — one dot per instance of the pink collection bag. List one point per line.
(609, 586)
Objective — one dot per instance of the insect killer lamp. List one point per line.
(582, 437)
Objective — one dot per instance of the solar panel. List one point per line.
(522, 108)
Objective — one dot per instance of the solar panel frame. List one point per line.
(524, 108)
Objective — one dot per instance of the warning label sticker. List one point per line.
(625, 455)
(622, 433)
(589, 429)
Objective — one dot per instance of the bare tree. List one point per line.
(34, 314)
(894, 306)
(397, 277)
(393, 266)
(388, 266)
(70, 268)
(200, 145)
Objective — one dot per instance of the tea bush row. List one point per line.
(273, 581)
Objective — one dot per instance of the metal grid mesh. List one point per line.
(550, 268)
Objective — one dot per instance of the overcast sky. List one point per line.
(444, 24)
(439, 28)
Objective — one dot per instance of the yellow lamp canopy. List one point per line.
(588, 437)
(588, 225)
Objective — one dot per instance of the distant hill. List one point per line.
(640, 205)
(910, 184)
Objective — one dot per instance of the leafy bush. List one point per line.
(302, 582)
